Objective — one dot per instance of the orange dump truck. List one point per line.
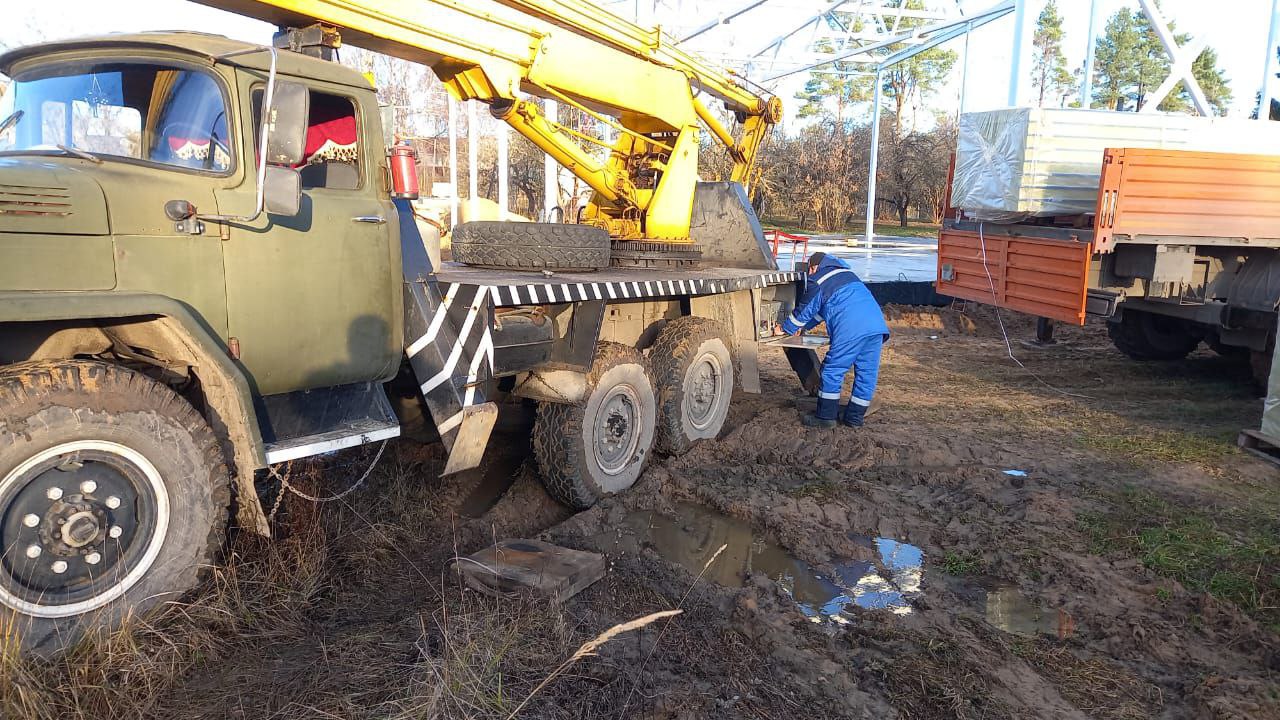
(1181, 249)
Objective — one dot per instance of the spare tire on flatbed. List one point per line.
(531, 246)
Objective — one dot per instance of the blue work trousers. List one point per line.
(862, 355)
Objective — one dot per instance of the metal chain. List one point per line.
(285, 484)
(530, 377)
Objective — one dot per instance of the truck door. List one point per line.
(311, 300)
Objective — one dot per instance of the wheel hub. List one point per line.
(81, 529)
(704, 387)
(617, 433)
(77, 526)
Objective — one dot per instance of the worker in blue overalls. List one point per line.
(834, 294)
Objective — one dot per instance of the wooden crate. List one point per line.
(1255, 443)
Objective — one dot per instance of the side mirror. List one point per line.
(282, 191)
(287, 123)
(388, 113)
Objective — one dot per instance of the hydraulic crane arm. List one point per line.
(576, 53)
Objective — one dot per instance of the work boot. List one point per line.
(814, 421)
(825, 415)
(853, 414)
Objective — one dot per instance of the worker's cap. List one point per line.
(816, 259)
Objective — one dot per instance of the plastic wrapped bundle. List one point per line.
(1023, 162)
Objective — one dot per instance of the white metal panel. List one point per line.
(1020, 162)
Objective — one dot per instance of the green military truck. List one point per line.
(191, 292)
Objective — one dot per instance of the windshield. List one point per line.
(145, 111)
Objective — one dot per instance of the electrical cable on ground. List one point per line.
(1000, 320)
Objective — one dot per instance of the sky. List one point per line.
(1237, 29)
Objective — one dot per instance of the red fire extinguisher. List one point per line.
(403, 159)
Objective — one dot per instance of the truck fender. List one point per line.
(162, 323)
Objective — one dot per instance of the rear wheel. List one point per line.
(1220, 348)
(694, 370)
(1147, 336)
(598, 447)
(113, 498)
(531, 246)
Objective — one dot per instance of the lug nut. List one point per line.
(31, 520)
(54, 493)
(88, 486)
(113, 502)
(93, 558)
(59, 566)
(33, 551)
(115, 531)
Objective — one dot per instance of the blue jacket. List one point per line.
(835, 294)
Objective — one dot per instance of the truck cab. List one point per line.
(109, 132)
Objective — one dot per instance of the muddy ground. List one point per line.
(1126, 568)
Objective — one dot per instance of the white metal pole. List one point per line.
(504, 191)
(875, 159)
(473, 150)
(1015, 57)
(1269, 66)
(1086, 82)
(964, 68)
(550, 169)
(453, 160)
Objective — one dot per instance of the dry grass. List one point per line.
(262, 595)
(346, 616)
(940, 680)
(1098, 688)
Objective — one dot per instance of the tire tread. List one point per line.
(531, 246)
(560, 459)
(29, 387)
(671, 352)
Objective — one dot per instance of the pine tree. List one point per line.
(919, 76)
(1116, 61)
(903, 83)
(1049, 74)
(833, 84)
(1130, 63)
(1212, 81)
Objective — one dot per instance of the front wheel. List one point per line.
(598, 447)
(113, 497)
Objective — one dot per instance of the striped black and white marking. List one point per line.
(449, 326)
(541, 293)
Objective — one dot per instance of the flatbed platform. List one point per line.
(511, 287)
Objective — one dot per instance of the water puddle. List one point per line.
(1007, 609)
(885, 579)
(886, 576)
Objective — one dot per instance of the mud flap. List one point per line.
(472, 437)
(449, 343)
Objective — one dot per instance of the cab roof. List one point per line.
(208, 47)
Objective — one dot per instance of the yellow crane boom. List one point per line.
(571, 51)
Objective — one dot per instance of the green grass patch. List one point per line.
(1235, 557)
(1160, 445)
(966, 563)
(820, 491)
